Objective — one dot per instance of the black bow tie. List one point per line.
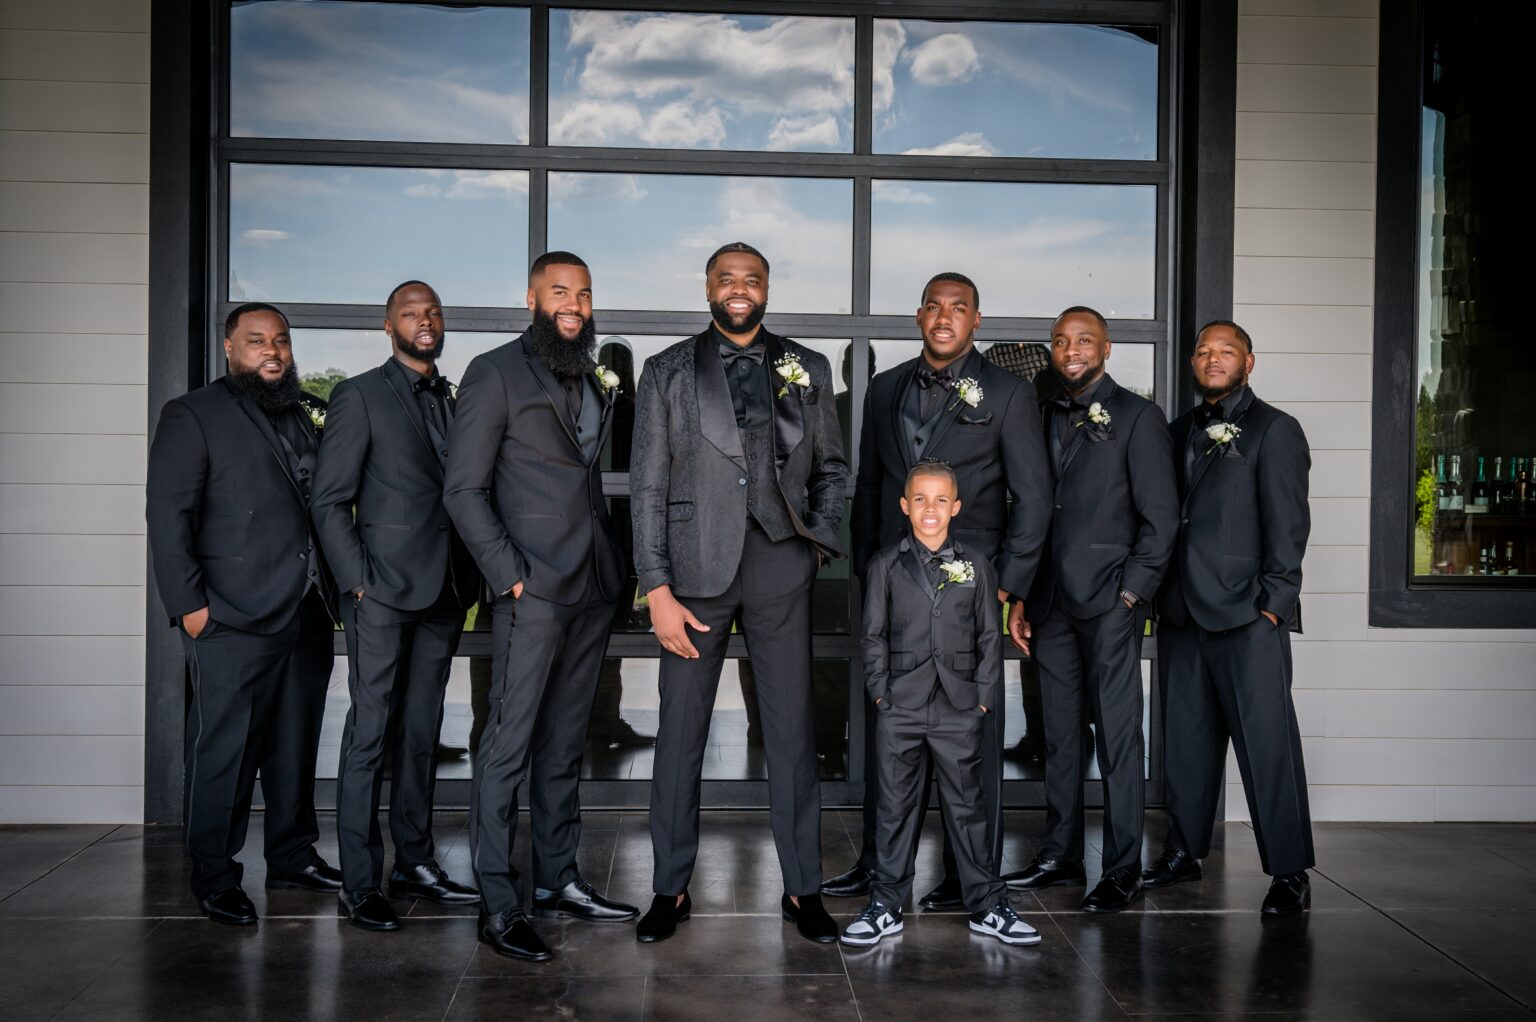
(1067, 404)
(1208, 413)
(438, 384)
(927, 377)
(940, 556)
(729, 353)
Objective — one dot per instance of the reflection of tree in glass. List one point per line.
(321, 384)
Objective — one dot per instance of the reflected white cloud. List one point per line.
(700, 80)
(895, 191)
(262, 234)
(970, 143)
(946, 59)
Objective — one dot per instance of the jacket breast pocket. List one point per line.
(680, 511)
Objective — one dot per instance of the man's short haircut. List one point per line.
(958, 278)
(389, 303)
(233, 319)
(735, 246)
(1083, 310)
(1242, 334)
(932, 467)
(556, 258)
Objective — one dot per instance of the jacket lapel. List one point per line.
(970, 368)
(717, 416)
(1105, 392)
(609, 397)
(789, 410)
(915, 569)
(1206, 455)
(906, 375)
(269, 435)
(397, 386)
(553, 392)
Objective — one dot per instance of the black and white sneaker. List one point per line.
(1002, 922)
(874, 923)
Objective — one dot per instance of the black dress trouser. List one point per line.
(771, 593)
(1234, 684)
(257, 705)
(397, 672)
(1090, 668)
(545, 658)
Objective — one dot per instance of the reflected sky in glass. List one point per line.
(1032, 249)
(350, 234)
(1133, 366)
(381, 71)
(700, 81)
(647, 236)
(1011, 89)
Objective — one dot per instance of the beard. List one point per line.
(567, 359)
(1217, 393)
(270, 396)
(411, 349)
(748, 322)
(1082, 383)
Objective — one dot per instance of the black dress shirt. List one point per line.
(432, 402)
(933, 559)
(746, 374)
(1068, 414)
(1208, 413)
(934, 386)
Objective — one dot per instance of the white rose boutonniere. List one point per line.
(792, 373)
(1096, 415)
(969, 391)
(606, 378)
(1222, 433)
(316, 416)
(453, 391)
(958, 572)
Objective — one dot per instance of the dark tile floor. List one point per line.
(1409, 922)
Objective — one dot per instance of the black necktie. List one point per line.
(729, 353)
(927, 377)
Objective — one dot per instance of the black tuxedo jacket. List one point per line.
(995, 450)
(228, 526)
(917, 638)
(523, 495)
(1116, 507)
(1243, 523)
(688, 475)
(378, 497)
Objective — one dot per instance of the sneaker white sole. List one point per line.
(1032, 938)
(873, 938)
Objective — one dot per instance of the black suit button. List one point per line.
(936, 612)
(1058, 507)
(1183, 521)
(938, 653)
(303, 556)
(741, 482)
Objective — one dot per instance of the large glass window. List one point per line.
(1475, 455)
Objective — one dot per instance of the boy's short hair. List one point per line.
(932, 467)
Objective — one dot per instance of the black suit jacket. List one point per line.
(917, 638)
(688, 476)
(378, 497)
(1243, 524)
(1116, 507)
(524, 497)
(995, 450)
(228, 526)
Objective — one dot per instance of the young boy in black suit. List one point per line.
(932, 661)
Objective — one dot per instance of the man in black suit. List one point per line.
(1232, 598)
(240, 572)
(737, 490)
(408, 580)
(525, 489)
(951, 404)
(1116, 514)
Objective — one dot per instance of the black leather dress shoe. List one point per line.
(810, 918)
(1174, 866)
(660, 922)
(1118, 890)
(947, 897)
(449, 753)
(368, 909)
(620, 735)
(578, 900)
(1043, 873)
(430, 881)
(1027, 750)
(1288, 894)
(320, 878)
(511, 935)
(229, 906)
(852, 884)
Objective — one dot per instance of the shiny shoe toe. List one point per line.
(1174, 866)
(1043, 873)
(660, 921)
(1288, 894)
(431, 882)
(368, 909)
(852, 884)
(947, 897)
(810, 918)
(578, 900)
(1116, 892)
(511, 935)
(320, 877)
(229, 906)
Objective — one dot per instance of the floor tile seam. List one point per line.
(1088, 965)
(1500, 855)
(105, 968)
(1385, 914)
(67, 859)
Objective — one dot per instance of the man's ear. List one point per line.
(954, 509)
(532, 300)
(904, 506)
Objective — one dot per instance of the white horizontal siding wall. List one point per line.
(74, 233)
(1398, 724)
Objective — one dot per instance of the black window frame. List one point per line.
(191, 151)
(1398, 599)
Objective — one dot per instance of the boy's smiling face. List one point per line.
(930, 502)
